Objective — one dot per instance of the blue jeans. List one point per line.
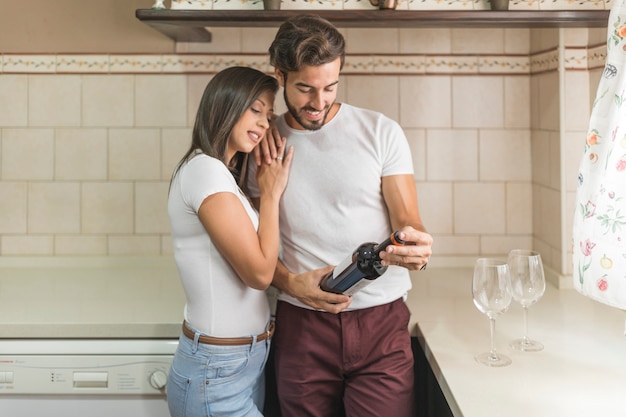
(210, 380)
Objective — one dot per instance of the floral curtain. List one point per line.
(599, 234)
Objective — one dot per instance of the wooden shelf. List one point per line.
(194, 25)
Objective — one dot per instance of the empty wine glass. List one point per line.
(528, 284)
(492, 296)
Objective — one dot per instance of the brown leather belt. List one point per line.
(228, 341)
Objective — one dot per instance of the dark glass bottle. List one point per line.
(359, 269)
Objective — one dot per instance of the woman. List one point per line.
(225, 251)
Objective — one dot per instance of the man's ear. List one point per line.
(279, 76)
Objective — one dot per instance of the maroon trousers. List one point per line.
(356, 363)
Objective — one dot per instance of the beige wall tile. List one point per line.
(542, 39)
(472, 40)
(555, 160)
(504, 155)
(569, 211)
(594, 81)
(26, 245)
(425, 102)
(451, 155)
(577, 110)
(540, 157)
(256, 40)
(425, 41)
(536, 202)
(80, 245)
(134, 245)
(455, 245)
(281, 107)
(549, 209)
(80, 154)
(479, 208)
(13, 205)
(134, 154)
(196, 84)
(572, 155)
(107, 100)
(54, 100)
(27, 154)
(167, 247)
(54, 207)
(597, 36)
(13, 100)
(575, 36)
(548, 101)
(435, 204)
(502, 245)
(519, 209)
(151, 207)
(534, 102)
(361, 40)
(417, 142)
(517, 41)
(517, 102)
(557, 259)
(379, 93)
(478, 102)
(107, 208)
(174, 144)
(169, 91)
(422, 103)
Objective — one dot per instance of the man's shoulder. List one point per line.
(373, 116)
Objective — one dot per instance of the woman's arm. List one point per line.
(252, 253)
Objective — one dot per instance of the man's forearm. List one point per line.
(281, 277)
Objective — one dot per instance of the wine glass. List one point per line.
(528, 284)
(491, 290)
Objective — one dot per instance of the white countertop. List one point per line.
(99, 297)
(580, 373)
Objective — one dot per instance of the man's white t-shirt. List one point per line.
(333, 201)
(218, 302)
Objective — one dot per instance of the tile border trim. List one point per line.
(356, 64)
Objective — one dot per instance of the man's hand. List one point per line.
(306, 288)
(411, 256)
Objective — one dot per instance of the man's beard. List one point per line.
(317, 125)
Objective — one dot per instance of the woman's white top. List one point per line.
(218, 302)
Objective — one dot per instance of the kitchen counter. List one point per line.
(580, 373)
(99, 297)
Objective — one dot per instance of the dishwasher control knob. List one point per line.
(158, 379)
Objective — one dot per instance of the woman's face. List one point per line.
(252, 125)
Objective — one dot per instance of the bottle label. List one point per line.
(342, 266)
(358, 286)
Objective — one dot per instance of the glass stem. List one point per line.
(492, 331)
(525, 309)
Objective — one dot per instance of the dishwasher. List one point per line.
(88, 336)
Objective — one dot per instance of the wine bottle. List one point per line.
(361, 268)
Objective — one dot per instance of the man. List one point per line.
(351, 182)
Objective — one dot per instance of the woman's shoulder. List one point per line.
(202, 165)
(205, 162)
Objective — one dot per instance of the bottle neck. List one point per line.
(393, 239)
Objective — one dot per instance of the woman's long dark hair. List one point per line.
(226, 97)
